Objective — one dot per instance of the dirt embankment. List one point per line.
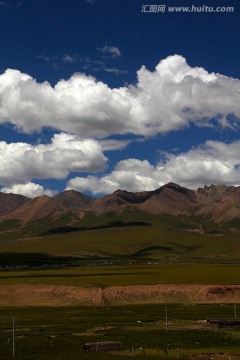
(50, 295)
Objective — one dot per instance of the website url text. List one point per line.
(187, 9)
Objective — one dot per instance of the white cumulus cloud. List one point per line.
(29, 189)
(168, 98)
(214, 162)
(21, 162)
(131, 175)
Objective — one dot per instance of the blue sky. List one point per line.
(97, 95)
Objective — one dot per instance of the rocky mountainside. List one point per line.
(35, 209)
(219, 202)
(10, 202)
(118, 200)
(171, 199)
(73, 200)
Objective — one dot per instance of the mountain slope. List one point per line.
(35, 209)
(119, 199)
(222, 203)
(10, 202)
(73, 200)
(170, 199)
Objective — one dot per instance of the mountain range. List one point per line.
(220, 203)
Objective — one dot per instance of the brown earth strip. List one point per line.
(50, 295)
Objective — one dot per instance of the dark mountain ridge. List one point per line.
(219, 202)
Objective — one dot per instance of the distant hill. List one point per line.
(35, 209)
(220, 203)
(73, 200)
(118, 200)
(10, 202)
(170, 199)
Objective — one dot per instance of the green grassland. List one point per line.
(104, 276)
(60, 333)
(130, 235)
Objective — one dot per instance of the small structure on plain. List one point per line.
(104, 346)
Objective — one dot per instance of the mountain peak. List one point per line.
(74, 200)
(171, 199)
(220, 202)
(35, 209)
(209, 193)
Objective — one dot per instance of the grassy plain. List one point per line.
(60, 333)
(127, 275)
